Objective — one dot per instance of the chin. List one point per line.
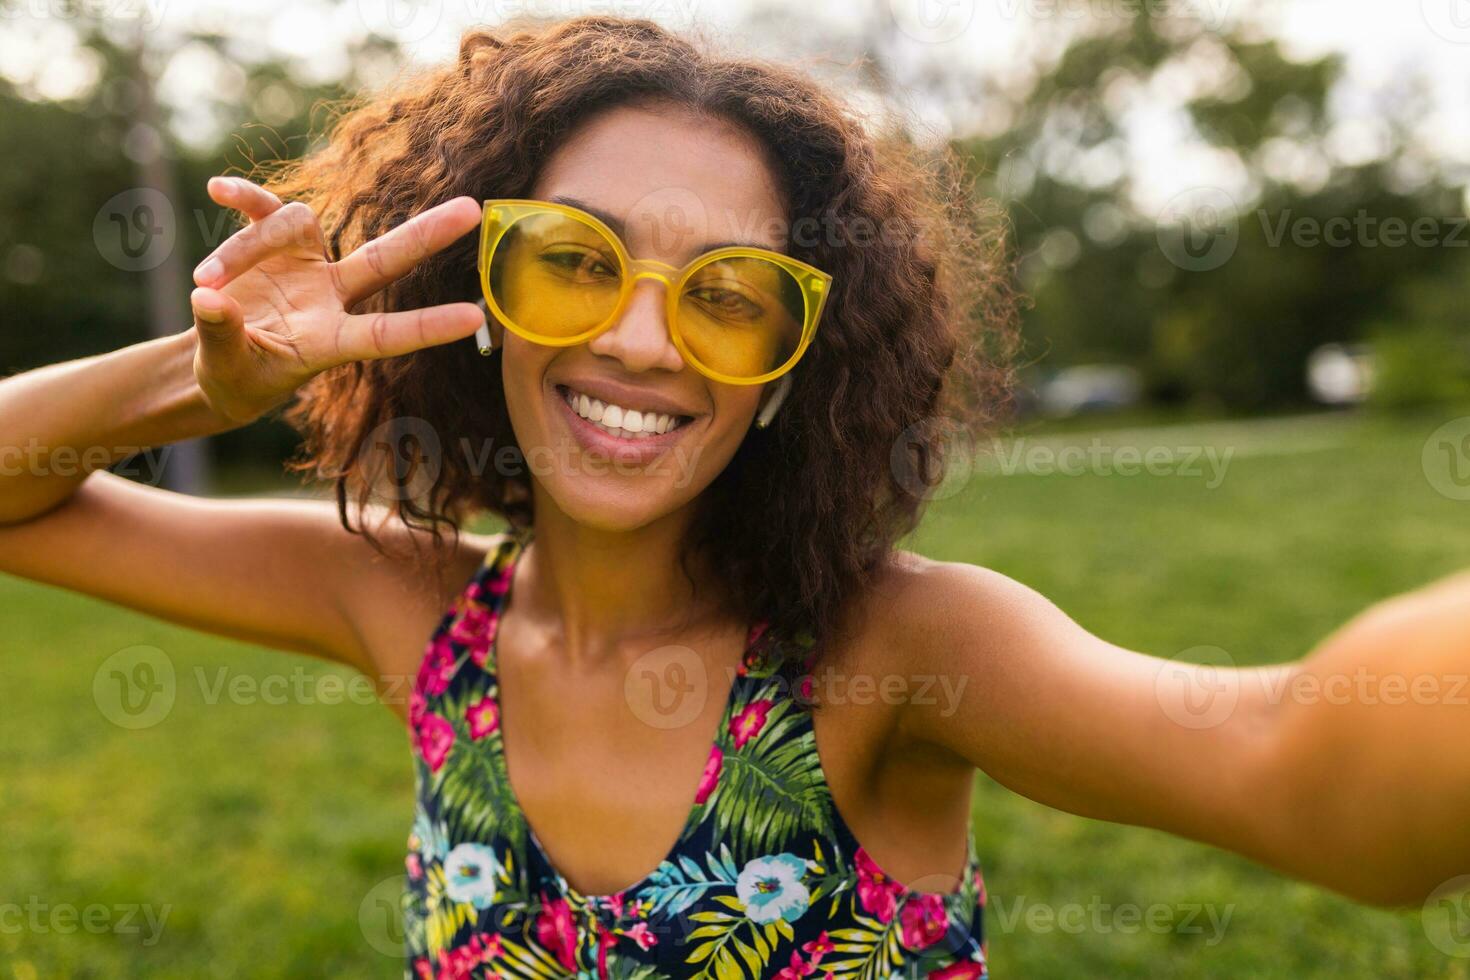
(615, 504)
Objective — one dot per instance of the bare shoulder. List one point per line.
(922, 614)
(436, 569)
(991, 656)
(405, 583)
(913, 651)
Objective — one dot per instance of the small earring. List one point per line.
(768, 411)
(483, 340)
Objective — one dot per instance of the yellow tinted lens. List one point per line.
(742, 316)
(554, 276)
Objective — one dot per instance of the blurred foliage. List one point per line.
(60, 296)
(1228, 338)
(1232, 336)
(1423, 352)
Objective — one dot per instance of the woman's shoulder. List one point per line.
(918, 611)
(441, 564)
(404, 589)
(918, 636)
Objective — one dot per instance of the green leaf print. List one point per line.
(473, 787)
(723, 953)
(771, 788)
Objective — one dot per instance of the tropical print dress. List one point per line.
(766, 879)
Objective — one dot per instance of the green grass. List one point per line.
(261, 827)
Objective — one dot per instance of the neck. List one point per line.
(597, 591)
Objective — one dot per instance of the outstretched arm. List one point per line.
(1323, 768)
(1371, 755)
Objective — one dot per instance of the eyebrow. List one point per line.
(619, 228)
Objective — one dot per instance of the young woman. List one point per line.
(686, 716)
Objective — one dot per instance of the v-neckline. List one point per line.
(507, 561)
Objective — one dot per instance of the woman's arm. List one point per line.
(1343, 789)
(62, 422)
(284, 573)
(239, 568)
(1370, 761)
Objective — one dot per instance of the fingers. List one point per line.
(368, 336)
(292, 224)
(390, 256)
(218, 319)
(245, 196)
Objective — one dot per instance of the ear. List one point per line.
(490, 335)
(773, 401)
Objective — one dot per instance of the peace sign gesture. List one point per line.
(271, 308)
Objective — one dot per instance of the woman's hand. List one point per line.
(270, 309)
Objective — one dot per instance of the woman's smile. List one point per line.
(620, 420)
(634, 427)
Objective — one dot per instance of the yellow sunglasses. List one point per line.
(556, 275)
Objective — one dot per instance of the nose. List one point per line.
(640, 337)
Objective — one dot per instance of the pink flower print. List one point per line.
(748, 724)
(711, 777)
(797, 969)
(499, 583)
(480, 648)
(417, 705)
(981, 895)
(877, 892)
(459, 963)
(757, 630)
(415, 867)
(642, 935)
(438, 667)
(435, 738)
(967, 970)
(605, 940)
(484, 718)
(467, 628)
(482, 948)
(923, 921)
(451, 967)
(818, 947)
(556, 932)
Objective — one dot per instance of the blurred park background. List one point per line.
(1242, 229)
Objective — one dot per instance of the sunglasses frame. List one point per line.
(499, 215)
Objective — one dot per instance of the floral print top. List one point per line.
(766, 879)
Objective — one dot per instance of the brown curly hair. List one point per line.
(915, 345)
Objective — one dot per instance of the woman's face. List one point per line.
(674, 185)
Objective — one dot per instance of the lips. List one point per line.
(620, 442)
(621, 421)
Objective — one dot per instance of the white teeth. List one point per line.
(624, 423)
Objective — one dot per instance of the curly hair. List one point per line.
(913, 355)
